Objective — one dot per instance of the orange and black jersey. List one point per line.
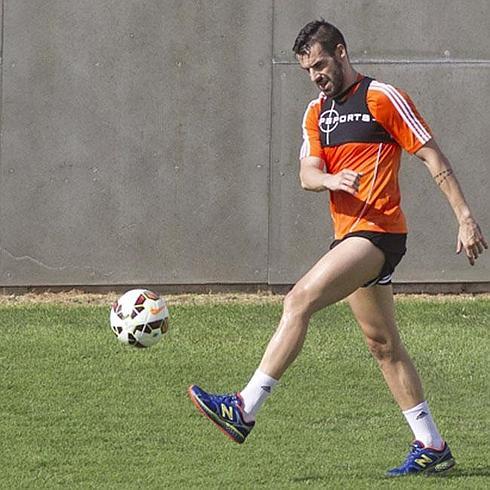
(365, 132)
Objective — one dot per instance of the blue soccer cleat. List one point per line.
(225, 411)
(425, 460)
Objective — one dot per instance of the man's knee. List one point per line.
(299, 301)
(384, 349)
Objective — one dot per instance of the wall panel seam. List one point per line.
(402, 62)
(270, 174)
(2, 44)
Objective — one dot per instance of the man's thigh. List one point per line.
(340, 272)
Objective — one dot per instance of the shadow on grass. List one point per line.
(456, 473)
(466, 472)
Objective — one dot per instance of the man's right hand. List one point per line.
(347, 180)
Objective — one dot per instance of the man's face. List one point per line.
(325, 71)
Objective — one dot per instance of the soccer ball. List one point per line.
(139, 318)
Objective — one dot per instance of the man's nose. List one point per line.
(315, 76)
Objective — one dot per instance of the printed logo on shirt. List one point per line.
(330, 119)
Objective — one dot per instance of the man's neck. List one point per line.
(352, 79)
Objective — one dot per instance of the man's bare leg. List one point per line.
(374, 311)
(335, 276)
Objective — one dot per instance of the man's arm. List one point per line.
(470, 237)
(313, 178)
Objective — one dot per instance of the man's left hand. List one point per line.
(470, 238)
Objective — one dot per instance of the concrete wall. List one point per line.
(156, 141)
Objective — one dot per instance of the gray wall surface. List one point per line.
(156, 141)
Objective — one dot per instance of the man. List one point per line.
(353, 136)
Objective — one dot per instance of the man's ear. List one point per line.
(340, 51)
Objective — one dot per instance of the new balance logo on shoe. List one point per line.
(266, 388)
(421, 415)
(226, 411)
(423, 461)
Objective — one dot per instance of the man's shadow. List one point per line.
(460, 472)
(457, 472)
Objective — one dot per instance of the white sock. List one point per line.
(423, 427)
(256, 393)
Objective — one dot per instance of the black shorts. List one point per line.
(393, 245)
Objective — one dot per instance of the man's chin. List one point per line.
(330, 93)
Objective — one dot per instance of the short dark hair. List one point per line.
(318, 31)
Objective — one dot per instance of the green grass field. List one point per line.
(79, 410)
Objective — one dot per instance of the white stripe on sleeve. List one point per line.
(306, 146)
(404, 109)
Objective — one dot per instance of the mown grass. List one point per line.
(79, 410)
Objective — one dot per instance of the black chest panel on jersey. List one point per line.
(350, 121)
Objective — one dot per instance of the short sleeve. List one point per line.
(311, 146)
(396, 112)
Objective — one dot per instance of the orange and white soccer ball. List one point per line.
(139, 318)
